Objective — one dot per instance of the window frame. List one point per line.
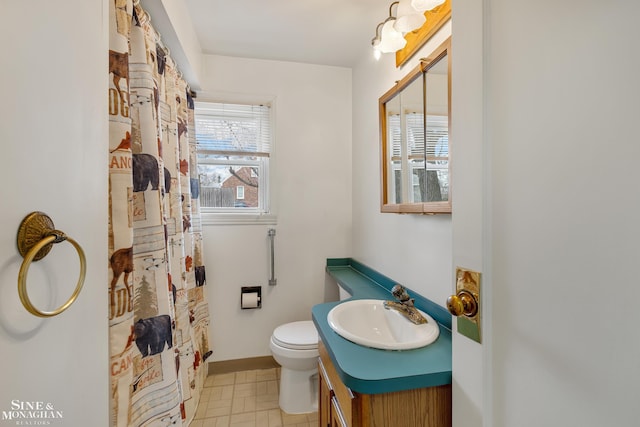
(239, 192)
(264, 213)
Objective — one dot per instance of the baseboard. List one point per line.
(248, 364)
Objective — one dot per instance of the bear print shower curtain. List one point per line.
(158, 316)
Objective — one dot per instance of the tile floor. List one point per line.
(246, 399)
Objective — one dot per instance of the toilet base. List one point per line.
(298, 391)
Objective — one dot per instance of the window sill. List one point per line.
(238, 219)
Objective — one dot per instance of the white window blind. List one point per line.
(437, 136)
(224, 128)
(234, 144)
(415, 135)
(421, 155)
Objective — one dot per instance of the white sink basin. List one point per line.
(367, 322)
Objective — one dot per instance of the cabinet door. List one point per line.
(337, 418)
(325, 395)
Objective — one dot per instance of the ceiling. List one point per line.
(326, 32)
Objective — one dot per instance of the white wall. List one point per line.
(415, 250)
(562, 138)
(545, 206)
(470, 375)
(53, 132)
(311, 178)
(422, 252)
(557, 243)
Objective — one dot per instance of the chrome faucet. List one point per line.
(404, 305)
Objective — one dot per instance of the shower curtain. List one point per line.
(158, 316)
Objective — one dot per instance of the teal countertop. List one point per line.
(373, 371)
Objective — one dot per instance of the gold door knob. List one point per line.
(463, 303)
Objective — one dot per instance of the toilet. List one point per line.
(295, 347)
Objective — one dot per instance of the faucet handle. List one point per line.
(400, 293)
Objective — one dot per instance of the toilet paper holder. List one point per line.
(248, 298)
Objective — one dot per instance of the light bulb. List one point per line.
(375, 43)
(408, 19)
(390, 39)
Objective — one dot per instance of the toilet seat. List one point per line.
(296, 335)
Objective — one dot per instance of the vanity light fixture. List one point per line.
(389, 39)
(409, 17)
(375, 42)
(424, 5)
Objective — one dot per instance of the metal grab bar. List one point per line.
(272, 235)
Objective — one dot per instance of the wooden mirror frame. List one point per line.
(436, 18)
(440, 207)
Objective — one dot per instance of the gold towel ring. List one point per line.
(36, 236)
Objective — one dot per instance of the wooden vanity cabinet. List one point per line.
(324, 395)
(341, 407)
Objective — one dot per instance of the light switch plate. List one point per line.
(469, 280)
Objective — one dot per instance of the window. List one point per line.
(234, 148)
(436, 152)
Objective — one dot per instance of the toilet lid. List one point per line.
(297, 335)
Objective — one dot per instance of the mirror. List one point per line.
(414, 130)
